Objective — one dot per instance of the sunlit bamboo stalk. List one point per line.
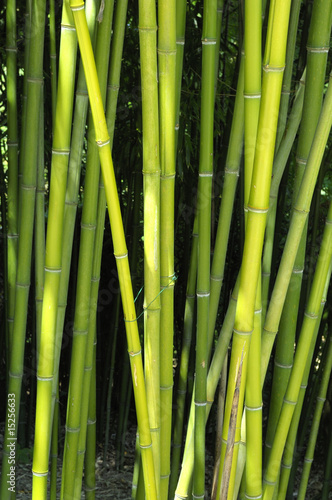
(120, 250)
(46, 355)
(274, 61)
(301, 355)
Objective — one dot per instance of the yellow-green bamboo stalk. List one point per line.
(53, 61)
(60, 156)
(167, 97)
(120, 250)
(287, 80)
(82, 349)
(26, 224)
(278, 170)
(252, 97)
(274, 61)
(12, 144)
(301, 356)
(298, 220)
(204, 238)
(184, 362)
(320, 400)
(183, 486)
(151, 190)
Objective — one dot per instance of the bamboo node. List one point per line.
(209, 41)
(60, 152)
(308, 460)
(288, 401)
(252, 96)
(273, 69)
(321, 399)
(121, 255)
(285, 466)
(132, 354)
(203, 294)
(69, 27)
(147, 28)
(254, 408)
(240, 332)
(164, 476)
(165, 51)
(145, 446)
(297, 270)
(101, 144)
(77, 7)
(205, 174)
(14, 375)
(252, 498)
(166, 387)
(270, 483)
(72, 429)
(318, 50)
(44, 379)
(257, 210)
(233, 172)
(301, 161)
(200, 403)
(39, 474)
(280, 365)
(311, 315)
(180, 42)
(198, 496)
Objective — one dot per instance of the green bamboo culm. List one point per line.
(274, 60)
(120, 249)
(167, 96)
(151, 190)
(301, 355)
(204, 238)
(25, 225)
(12, 143)
(299, 217)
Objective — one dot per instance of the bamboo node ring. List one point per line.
(179, 42)
(321, 399)
(257, 210)
(133, 354)
(254, 408)
(121, 256)
(72, 429)
(311, 315)
(280, 365)
(286, 466)
(308, 460)
(252, 96)
(288, 401)
(240, 332)
(39, 474)
(198, 496)
(14, 375)
(252, 498)
(273, 69)
(271, 483)
(145, 446)
(205, 174)
(200, 403)
(100, 144)
(318, 50)
(209, 41)
(77, 7)
(232, 172)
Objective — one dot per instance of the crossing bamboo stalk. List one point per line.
(302, 351)
(120, 250)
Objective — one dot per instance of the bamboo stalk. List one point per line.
(26, 224)
(167, 98)
(120, 249)
(301, 356)
(60, 156)
(274, 60)
(151, 190)
(204, 239)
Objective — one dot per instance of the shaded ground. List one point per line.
(116, 485)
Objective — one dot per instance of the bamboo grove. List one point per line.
(166, 246)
